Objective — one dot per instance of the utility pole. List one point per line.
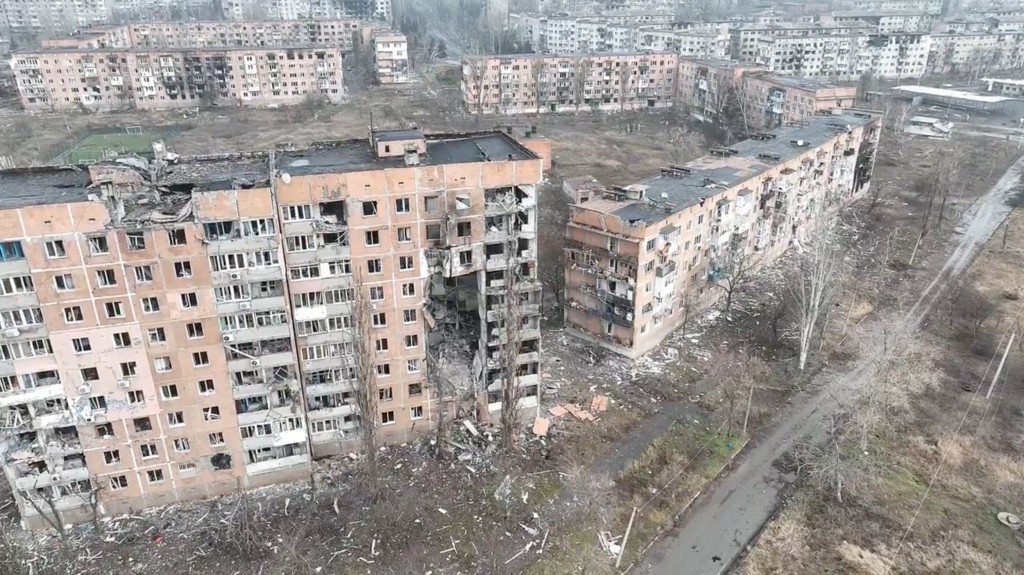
(999, 370)
(746, 416)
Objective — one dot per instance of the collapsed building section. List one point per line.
(177, 328)
(640, 259)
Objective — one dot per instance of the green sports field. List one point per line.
(98, 146)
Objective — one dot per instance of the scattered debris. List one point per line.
(1010, 520)
(540, 427)
(599, 403)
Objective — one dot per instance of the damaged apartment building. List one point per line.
(641, 258)
(178, 328)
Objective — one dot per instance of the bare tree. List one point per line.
(538, 72)
(814, 282)
(580, 78)
(731, 377)
(476, 85)
(898, 369)
(625, 77)
(875, 406)
(735, 270)
(511, 345)
(363, 359)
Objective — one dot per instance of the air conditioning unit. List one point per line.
(236, 275)
(89, 419)
(13, 332)
(245, 305)
(227, 337)
(55, 478)
(254, 362)
(124, 383)
(85, 389)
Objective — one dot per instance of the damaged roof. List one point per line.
(709, 175)
(22, 187)
(356, 155)
(220, 172)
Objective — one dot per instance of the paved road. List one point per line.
(721, 523)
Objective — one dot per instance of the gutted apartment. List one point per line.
(391, 57)
(441, 233)
(726, 90)
(640, 258)
(168, 65)
(183, 327)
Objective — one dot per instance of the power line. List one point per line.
(945, 452)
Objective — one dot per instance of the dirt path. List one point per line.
(720, 525)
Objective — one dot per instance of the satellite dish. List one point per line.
(286, 177)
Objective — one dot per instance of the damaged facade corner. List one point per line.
(178, 327)
(641, 259)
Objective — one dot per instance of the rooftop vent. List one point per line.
(412, 156)
(723, 151)
(800, 143)
(770, 157)
(762, 136)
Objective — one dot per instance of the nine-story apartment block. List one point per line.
(183, 328)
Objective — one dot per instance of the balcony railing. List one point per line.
(577, 245)
(621, 317)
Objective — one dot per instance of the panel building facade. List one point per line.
(640, 259)
(184, 328)
(526, 84)
(163, 65)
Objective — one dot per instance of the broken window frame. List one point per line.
(135, 241)
(98, 245)
(177, 237)
(55, 250)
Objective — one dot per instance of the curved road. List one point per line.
(720, 525)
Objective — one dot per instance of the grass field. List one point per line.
(97, 146)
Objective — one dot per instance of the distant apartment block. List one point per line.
(717, 90)
(535, 83)
(703, 41)
(976, 53)
(391, 57)
(45, 18)
(165, 65)
(1004, 86)
(182, 330)
(256, 34)
(641, 258)
(931, 7)
(887, 22)
(846, 57)
(306, 9)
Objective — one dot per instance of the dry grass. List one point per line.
(982, 469)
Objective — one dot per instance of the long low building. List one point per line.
(166, 65)
(115, 79)
(532, 83)
(641, 259)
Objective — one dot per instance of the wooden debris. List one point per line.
(599, 403)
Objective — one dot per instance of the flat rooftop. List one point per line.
(803, 83)
(952, 94)
(170, 50)
(1010, 81)
(357, 156)
(22, 187)
(708, 175)
(531, 56)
